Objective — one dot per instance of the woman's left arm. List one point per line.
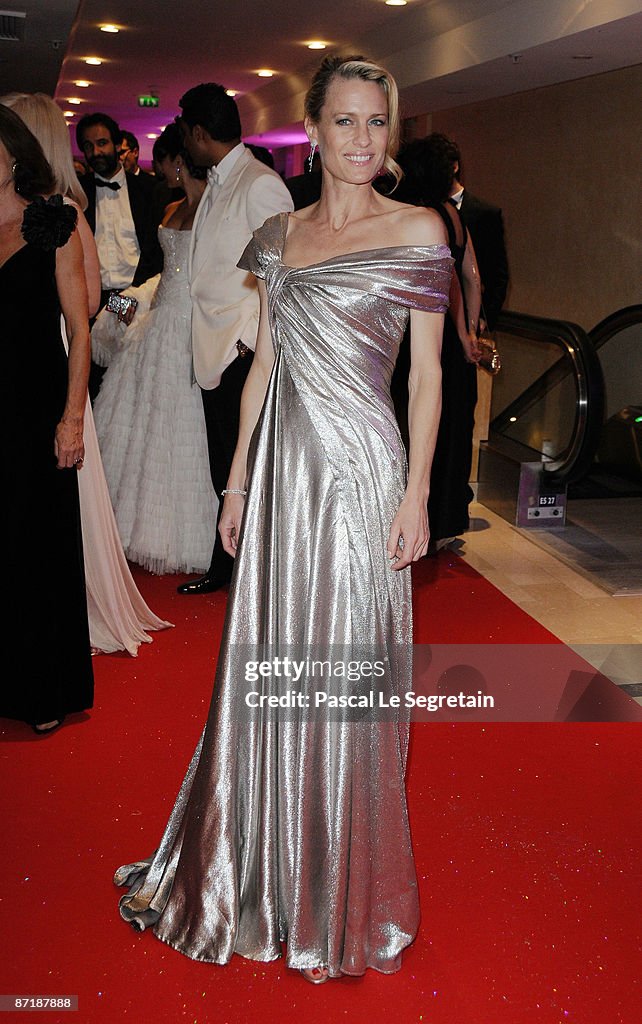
(91, 263)
(472, 285)
(467, 336)
(409, 534)
(72, 292)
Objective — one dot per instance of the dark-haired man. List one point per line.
(121, 213)
(129, 153)
(120, 210)
(161, 195)
(242, 192)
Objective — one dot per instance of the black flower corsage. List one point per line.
(48, 223)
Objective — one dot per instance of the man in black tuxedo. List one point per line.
(121, 213)
(486, 226)
(120, 210)
(129, 153)
(160, 194)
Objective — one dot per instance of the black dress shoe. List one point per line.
(203, 585)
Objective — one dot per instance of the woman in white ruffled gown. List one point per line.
(149, 413)
(118, 615)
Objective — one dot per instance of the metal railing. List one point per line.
(613, 324)
(578, 357)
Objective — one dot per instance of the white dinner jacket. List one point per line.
(225, 302)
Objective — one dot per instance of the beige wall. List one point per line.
(564, 164)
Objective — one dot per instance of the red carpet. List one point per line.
(527, 840)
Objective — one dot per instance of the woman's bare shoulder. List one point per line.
(417, 225)
(170, 212)
(305, 213)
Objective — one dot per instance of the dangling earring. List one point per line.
(313, 149)
(178, 174)
(13, 168)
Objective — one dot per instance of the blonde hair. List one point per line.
(367, 71)
(45, 120)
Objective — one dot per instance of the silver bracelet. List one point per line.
(234, 490)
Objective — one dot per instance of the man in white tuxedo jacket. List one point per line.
(242, 192)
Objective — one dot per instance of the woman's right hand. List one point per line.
(127, 317)
(470, 345)
(69, 447)
(229, 525)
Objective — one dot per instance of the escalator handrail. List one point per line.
(613, 324)
(576, 460)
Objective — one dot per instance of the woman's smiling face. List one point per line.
(352, 131)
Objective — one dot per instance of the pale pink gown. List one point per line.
(118, 615)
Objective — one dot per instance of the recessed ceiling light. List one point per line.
(265, 73)
(231, 92)
(69, 113)
(152, 135)
(109, 28)
(316, 44)
(82, 84)
(95, 61)
(74, 99)
(396, 3)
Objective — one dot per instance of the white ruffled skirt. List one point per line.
(151, 430)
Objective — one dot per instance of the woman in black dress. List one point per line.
(429, 174)
(42, 399)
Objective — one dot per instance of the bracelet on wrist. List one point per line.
(234, 490)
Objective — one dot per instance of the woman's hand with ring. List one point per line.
(68, 443)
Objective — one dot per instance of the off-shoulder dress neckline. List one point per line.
(444, 251)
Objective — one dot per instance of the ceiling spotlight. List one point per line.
(109, 28)
(265, 73)
(69, 113)
(95, 61)
(316, 44)
(82, 84)
(74, 99)
(152, 135)
(396, 3)
(231, 92)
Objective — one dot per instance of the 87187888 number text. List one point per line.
(33, 1002)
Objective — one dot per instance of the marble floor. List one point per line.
(606, 630)
(602, 541)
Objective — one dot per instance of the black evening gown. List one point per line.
(450, 492)
(47, 659)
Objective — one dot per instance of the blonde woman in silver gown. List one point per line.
(291, 825)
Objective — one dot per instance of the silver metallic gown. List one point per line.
(290, 825)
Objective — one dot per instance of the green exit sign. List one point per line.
(148, 101)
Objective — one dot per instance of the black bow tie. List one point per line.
(113, 185)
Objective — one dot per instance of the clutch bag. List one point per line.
(490, 360)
